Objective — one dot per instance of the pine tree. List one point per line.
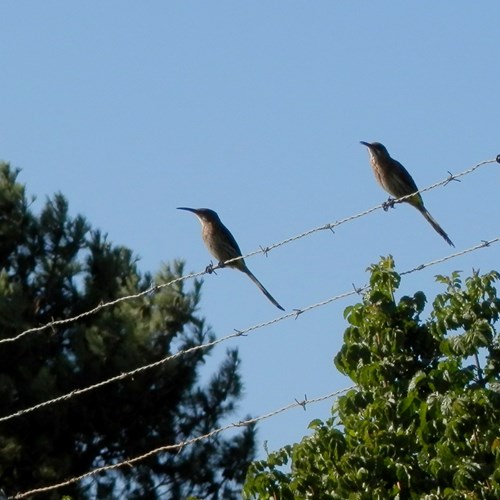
(55, 266)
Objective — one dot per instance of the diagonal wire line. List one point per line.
(238, 333)
(483, 244)
(58, 322)
(179, 446)
(382, 206)
(265, 250)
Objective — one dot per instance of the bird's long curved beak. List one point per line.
(188, 209)
(367, 144)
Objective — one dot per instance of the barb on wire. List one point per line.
(452, 177)
(239, 333)
(211, 268)
(303, 403)
(131, 461)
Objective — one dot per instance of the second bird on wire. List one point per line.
(222, 245)
(396, 180)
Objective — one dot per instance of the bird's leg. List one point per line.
(221, 263)
(388, 204)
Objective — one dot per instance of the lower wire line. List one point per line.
(130, 462)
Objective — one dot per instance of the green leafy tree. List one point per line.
(424, 418)
(54, 266)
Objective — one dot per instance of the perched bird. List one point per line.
(222, 245)
(396, 180)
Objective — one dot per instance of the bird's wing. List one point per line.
(232, 242)
(407, 178)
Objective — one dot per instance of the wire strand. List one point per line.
(73, 319)
(262, 250)
(179, 446)
(483, 244)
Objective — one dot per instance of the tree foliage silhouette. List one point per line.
(424, 418)
(54, 266)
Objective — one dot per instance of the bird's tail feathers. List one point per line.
(435, 225)
(261, 287)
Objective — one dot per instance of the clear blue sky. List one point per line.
(256, 109)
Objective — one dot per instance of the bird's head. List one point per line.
(376, 149)
(203, 214)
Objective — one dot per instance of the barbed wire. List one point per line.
(129, 462)
(262, 250)
(238, 333)
(136, 371)
(483, 244)
(303, 403)
(95, 310)
(451, 177)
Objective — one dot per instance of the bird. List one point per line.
(222, 245)
(396, 180)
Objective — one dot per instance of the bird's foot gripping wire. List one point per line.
(388, 204)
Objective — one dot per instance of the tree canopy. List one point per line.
(53, 266)
(424, 418)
